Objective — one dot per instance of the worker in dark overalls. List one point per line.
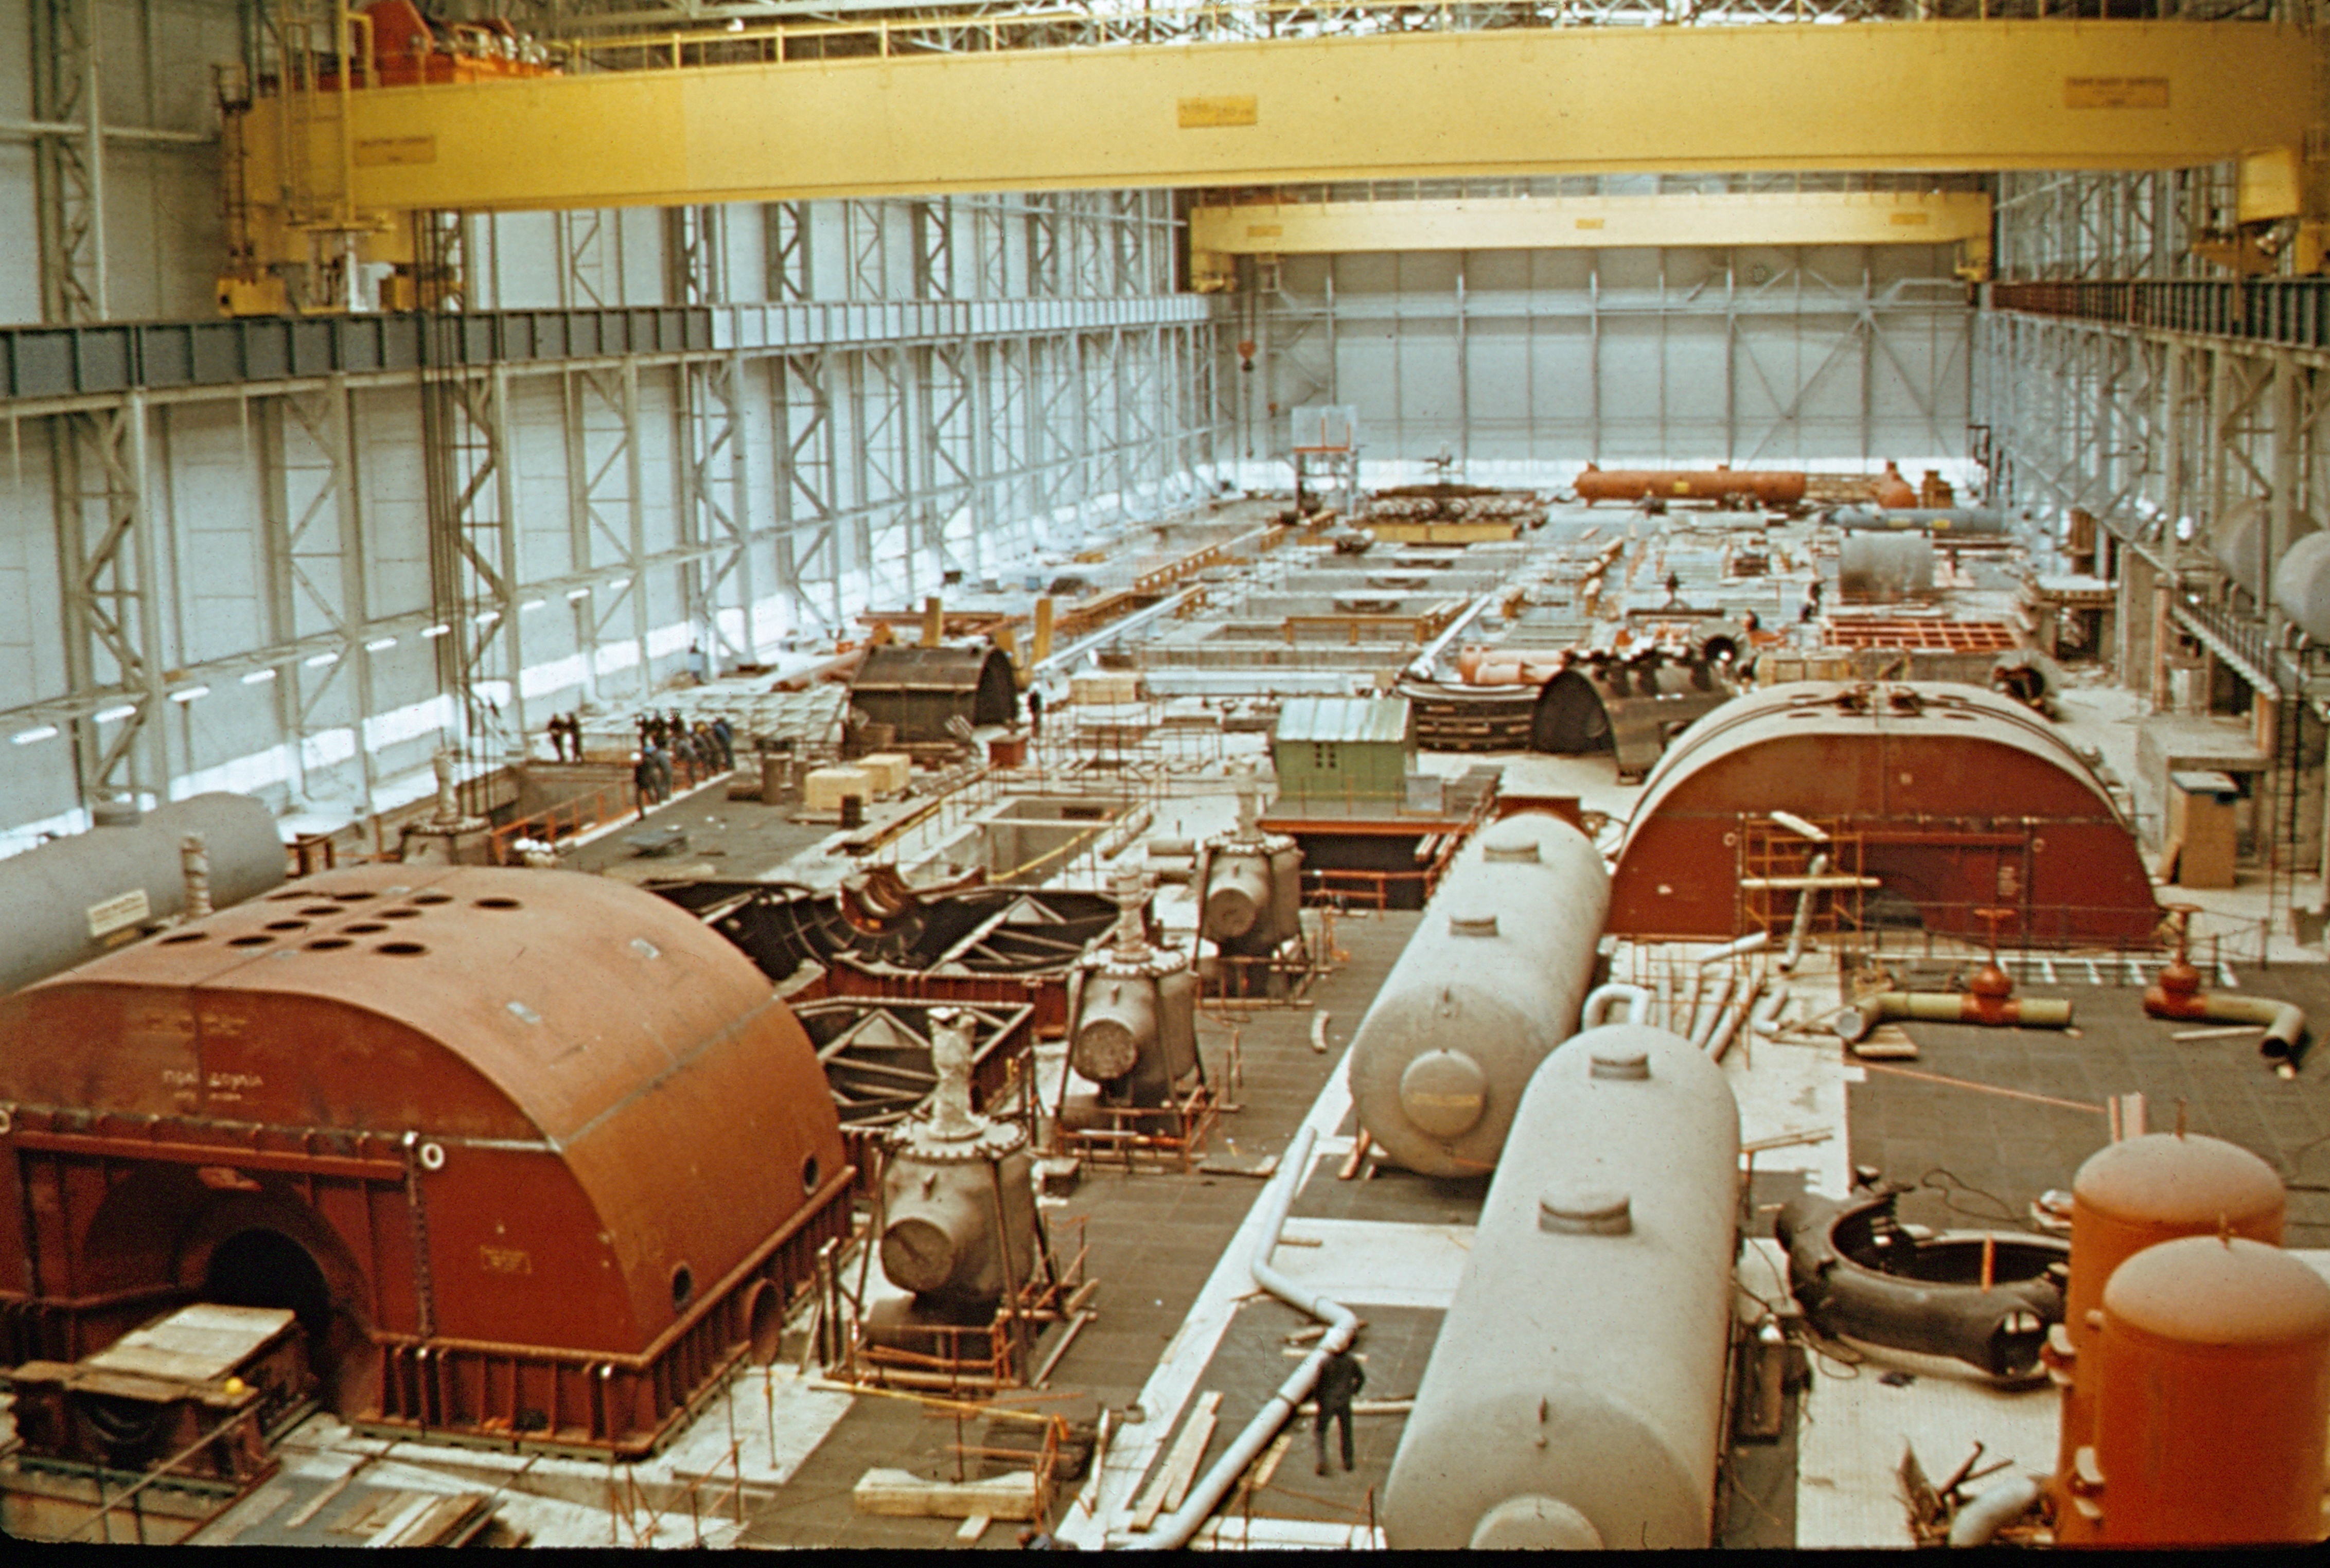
(1339, 1381)
(1035, 712)
(643, 782)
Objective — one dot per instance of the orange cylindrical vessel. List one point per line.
(2212, 1392)
(1768, 487)
(2130, 1196)
(1893, 491)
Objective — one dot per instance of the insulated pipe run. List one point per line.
(1664, 1009)
(1801, 927)
(1172, 1531)
(1994, 1508)
(2285, 1021)
(1596, 1010)
(1748, 944)
(1954, 1008)
(1710, 1011)
(1727, 1027)
(1797, 825)
(1765, 1018)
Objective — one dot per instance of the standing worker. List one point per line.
(1036, 711)
(643, 778)
(1339, 1381)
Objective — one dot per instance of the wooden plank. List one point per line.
(1260, 1479)
(902, 1493)
(1171, 1481)
(973, 1528)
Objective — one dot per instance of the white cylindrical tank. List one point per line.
(2301, 585)
(1487, 987)
(67, 902)
(1574, 1396)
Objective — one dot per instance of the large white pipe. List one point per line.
(1596, 1010)
(1803, 924)
(1994, 1508)
(1710, 1011)
(1172, 1532)
(1755, 942)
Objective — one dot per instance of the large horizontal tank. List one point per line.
(1574, 1396)
(1924, 519)
(1768, 488)
(68, 902)
(1490, 984)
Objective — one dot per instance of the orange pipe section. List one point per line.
(1767, 487)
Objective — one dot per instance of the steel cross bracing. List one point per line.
(68, 160)
(2169, 438)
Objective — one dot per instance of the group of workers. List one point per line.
(669, 745)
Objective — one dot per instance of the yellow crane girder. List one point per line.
(1581, 222)
(1933, 96)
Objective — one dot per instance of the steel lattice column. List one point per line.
(69, 166)
(111, 599)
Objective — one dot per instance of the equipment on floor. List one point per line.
(1248, 887)
(1136, 1079)
(2212, 1395)
(2128, 1196)
(1955, 799)
(1574, 1396)
(534, 1156)
(77, 898)
(1489, 985)
(1984, 1298)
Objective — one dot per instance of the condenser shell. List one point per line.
(2212, 1393)
(1490, 984)
(1575, 1394)
(2132, 1195)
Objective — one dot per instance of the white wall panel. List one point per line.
(1814, 354)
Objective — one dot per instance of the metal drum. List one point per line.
(66, 902)
(2212, 1389)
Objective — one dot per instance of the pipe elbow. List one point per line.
(1994, 1508)
(1596, 1009)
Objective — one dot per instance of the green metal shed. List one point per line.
(1339, 749)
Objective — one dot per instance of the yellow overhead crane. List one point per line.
(1267, 228)
(346, 164)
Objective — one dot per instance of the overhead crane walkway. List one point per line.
(906, 116)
